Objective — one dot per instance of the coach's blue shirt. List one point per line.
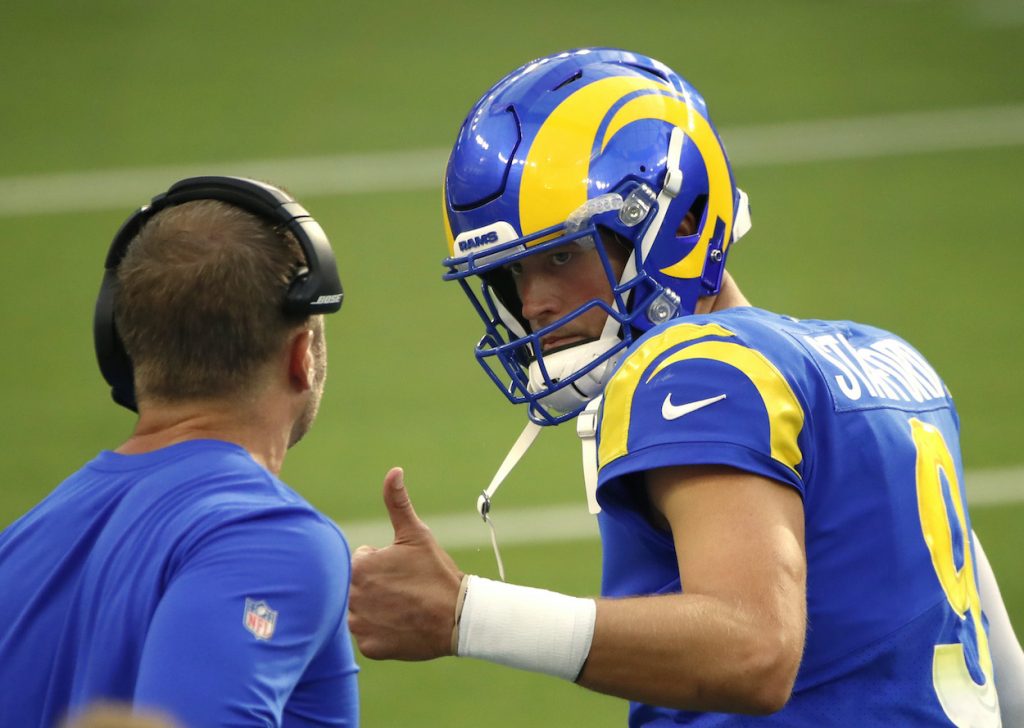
(856, 421)
(188, 580)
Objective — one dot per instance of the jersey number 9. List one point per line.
(962, 671)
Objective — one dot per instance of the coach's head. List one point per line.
(215, 296)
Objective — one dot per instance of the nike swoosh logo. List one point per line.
(674, 411)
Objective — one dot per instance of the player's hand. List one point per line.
(402, 600)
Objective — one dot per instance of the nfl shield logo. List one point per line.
(259, 619)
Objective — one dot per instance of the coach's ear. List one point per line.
(301, 362)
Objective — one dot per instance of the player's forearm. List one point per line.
(693, 652)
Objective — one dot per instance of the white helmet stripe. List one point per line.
(673, 183)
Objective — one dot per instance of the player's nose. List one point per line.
(540, 297)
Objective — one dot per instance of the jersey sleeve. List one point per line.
(699, 395)
(253, 612)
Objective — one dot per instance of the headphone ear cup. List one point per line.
(317, 287)
(115, 365)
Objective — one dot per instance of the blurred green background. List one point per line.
(864, 208)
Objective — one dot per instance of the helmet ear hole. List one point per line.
(691, 220)
(687, 227)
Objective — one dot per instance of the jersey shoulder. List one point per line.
(741, 387)
(723, 388)
(202, 495)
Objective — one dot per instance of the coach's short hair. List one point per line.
(199, 301)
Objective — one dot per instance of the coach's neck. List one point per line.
(266, 418)
(257, 425)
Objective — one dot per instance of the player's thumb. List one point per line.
(396, 499)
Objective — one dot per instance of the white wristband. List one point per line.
(531, 629)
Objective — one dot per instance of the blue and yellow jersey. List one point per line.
(859, 423)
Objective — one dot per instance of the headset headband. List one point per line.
(315, 290)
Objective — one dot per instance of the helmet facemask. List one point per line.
(559, 382)
(597, 144)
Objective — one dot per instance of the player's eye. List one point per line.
(560, 257)
(515, 268)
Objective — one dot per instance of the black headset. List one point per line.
(316, 288)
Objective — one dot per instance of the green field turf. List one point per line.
(926, 243)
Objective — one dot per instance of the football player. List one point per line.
(781, 501)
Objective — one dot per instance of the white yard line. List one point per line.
(547, 524)
(349, 174)
(344, 174)
(995, 13)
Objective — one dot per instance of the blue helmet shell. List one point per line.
(564, 134)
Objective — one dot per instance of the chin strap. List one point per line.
(483, 503)
(586, 428)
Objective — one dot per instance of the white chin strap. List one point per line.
(483, 502)
(563, 364)
(586, 429)
(584, 391)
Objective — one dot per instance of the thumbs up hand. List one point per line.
(407, 525)
(402, 599)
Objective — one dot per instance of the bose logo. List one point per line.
(478, 241)
(333, 298)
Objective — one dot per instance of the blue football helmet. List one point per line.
(587, 145)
